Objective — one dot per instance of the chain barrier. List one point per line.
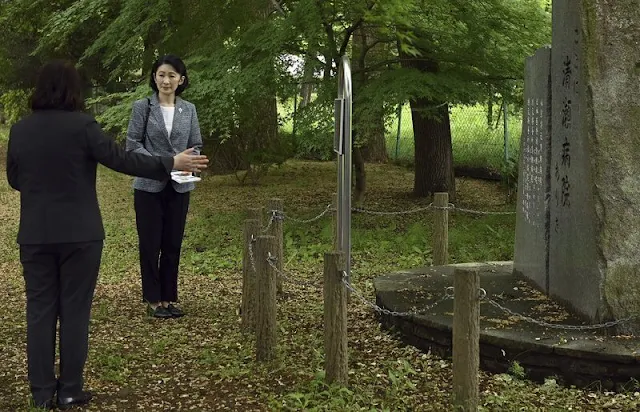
(451, 206)
(271, 260)
(393, 213)
(482, 296)
(275, 215)
(328, 209)
(385, 311)
(558, 325)
(476, 212)
(279, 215)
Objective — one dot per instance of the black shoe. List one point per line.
(45, 406)
(82, 398)
(159, 312)
(175, 311)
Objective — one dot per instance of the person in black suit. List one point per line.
(52, 159)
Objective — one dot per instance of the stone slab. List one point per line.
(531, 258)
(578, 357)
(574, 274)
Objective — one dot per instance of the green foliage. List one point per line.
(114, 118)
(15, 104)
(242, 55)
(317, 395)
(517, 371)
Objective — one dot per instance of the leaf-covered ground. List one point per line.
(203, 363)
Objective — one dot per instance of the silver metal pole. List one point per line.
(506, 131)
(342, 146)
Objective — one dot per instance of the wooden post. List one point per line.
(277, 231)
(266, 302)
(247, 308)
(335, 319)
(441, 229)
(256, 213)
(466, 339)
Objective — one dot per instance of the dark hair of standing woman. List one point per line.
(177, 64)
(59, 87)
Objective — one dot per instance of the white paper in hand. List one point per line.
(184, 177)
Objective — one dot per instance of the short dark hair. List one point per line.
(59, 87)
(177, 64)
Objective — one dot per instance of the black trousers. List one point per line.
(160, 219)
(60, 281)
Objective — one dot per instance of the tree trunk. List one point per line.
(360, 176)
(375, 150)
(433, 153)
(432, 138)
(258, 113)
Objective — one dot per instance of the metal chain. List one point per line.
(271, 219)
(276, 214)
(313, 219)
(385, 311)
(451, 206)
(271, 260)
(447, 295)
(476, 212)
(557, 325)
(400, 212)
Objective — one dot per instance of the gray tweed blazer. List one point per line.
(185, 133)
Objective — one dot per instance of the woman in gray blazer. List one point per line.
(162, 125)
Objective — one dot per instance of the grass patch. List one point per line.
(202, 362)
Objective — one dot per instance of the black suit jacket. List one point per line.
(52, 159)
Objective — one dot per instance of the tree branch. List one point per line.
(349, 31)
(347, 36)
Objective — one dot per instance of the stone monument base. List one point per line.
(572, 357)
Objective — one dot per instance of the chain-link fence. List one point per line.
(480, 139)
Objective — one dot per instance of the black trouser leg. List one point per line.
(40, 269)
(176, 206)
(79, 267)
(148, 207)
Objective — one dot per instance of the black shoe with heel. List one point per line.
(159, 312)
(175, 311)
(82, 398)
(44, 406)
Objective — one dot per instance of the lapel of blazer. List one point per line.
(178, 114)
(156, 113)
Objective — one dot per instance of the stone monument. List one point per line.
(532, 219)
(594, 186)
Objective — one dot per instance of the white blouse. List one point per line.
(167, 113)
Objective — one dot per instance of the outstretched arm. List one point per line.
(135, 163)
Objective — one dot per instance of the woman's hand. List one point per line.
(190, 162)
